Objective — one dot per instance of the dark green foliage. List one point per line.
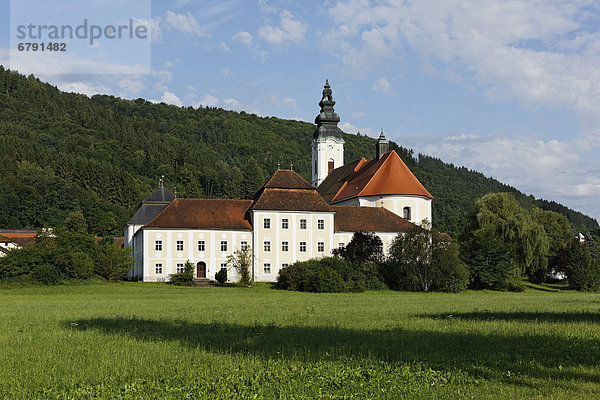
(112, 262)
(221, 276)
(75, 222)
(65, 256)
(102, 155)
(318, 276)
(423, 260)
(501, 241)
(582, 269)
(490, 259)
(184, 278)
(364, 246)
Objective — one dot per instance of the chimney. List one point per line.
(382, 146)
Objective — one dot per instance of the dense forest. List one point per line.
(102, 155)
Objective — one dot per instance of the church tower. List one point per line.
(328, 142)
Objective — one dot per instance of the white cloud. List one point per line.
(382, 85)
(171, 98)
(162, 78)
(359, 114)
(243, 37)
(289, 30)
(232, 104)
(226, 71)
(549, 169)
(537, 52)
(131, 85)
(223, 46)
(349, 128)
(184, 22)
(206, 101)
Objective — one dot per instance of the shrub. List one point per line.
(221, 276)
(319, 276)
(184, 278)
(241, 260)
(112, 262)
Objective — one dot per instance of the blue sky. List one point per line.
(508, 88)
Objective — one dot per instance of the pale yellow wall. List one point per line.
(170, 257)
(293, 235)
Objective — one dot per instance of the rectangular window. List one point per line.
(243, 245)
(180, 267)
(223, 245)
(342, 246)
(158, 268)
(285, 246)
(158, 245)
(267, 268)
(180, 245)
(267, 246)
(285, 223)
(284, 265)
(320, 247)
(201, 245)
(302, 247)
(223, 265)
(303, 224)
(267, 223)
(320, 224)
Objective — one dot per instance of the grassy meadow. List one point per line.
(136, 340)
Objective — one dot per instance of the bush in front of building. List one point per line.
(330, 275)
(221, 276)
(315, 275)
(185, 277)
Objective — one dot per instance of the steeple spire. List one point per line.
(327, 119)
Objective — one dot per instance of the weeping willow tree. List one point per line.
(501, 241)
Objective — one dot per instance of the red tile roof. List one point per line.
(203, 214)
(388, 175)
(286, 190)
(373, 219)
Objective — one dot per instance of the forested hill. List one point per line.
(102, 155)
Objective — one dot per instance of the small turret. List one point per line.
(382, 146)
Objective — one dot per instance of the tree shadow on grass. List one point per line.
(521, 316)
(481, 355)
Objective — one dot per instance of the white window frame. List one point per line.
(201, 245)
(285, 223)
(158, 268)
(243, 245)
(302, 245)
(321, 224)
(320, 247)
(224, 245)
(180, 267)
(303, 223)
(266, 268)
(267, 223)
(267, 246)
(158, 245)
(179, 245)
(285, 246)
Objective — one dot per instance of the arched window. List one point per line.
(406, 213)
(330, 166)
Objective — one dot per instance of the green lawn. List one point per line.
(136, 340)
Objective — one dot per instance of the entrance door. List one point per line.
(201, 270)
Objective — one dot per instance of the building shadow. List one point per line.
(491, 355)
(521, 316)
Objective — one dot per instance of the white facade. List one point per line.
(415, 209)
(326, 155)
(284, 237)
(163, 249)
